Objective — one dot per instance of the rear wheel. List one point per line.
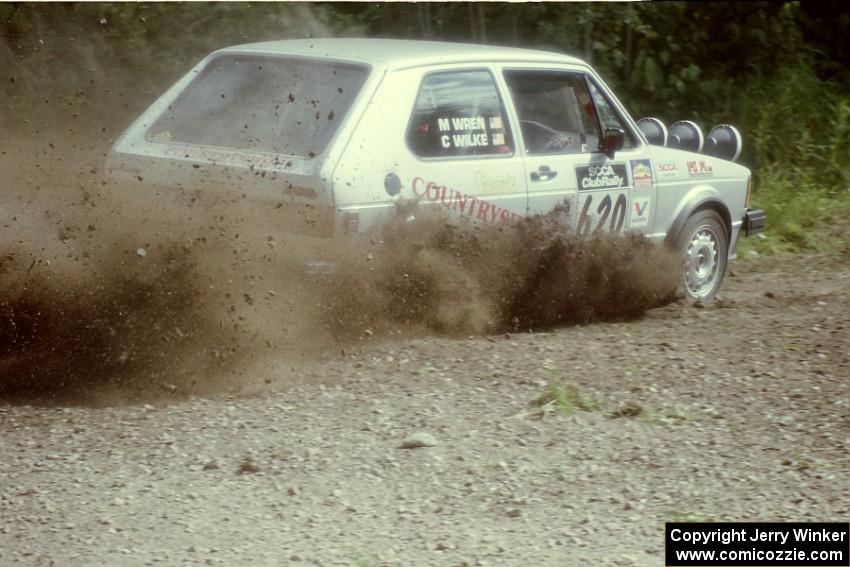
(704, 247)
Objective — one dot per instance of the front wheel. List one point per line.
(704, 247)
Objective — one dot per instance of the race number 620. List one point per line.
(594, 218)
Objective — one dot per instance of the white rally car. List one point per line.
(339, 131)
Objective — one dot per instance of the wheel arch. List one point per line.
(699, 199)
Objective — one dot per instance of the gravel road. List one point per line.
(559, 448)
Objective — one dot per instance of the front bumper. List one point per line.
(754, 221)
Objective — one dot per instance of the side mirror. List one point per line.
(613, 141)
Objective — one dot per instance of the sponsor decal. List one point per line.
(699, 168)
(640, 212)
(641, 173)
(606, 176)
(668, 169)
(471, 131)
(464, 204)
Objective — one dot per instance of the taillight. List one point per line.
(351, 222)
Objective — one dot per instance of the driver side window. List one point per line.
(555, 110)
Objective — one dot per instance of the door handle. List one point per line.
(543, 173)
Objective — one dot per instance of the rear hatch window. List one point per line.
(282, 105)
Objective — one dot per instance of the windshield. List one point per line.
(280, 105)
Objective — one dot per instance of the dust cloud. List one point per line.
(116, 293)
(435, 276)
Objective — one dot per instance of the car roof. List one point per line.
(401, 53)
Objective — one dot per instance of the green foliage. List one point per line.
(801, 148)
(565, 398)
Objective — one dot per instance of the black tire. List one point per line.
(704, 248)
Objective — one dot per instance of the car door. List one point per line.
(634, 156)
(561, 116)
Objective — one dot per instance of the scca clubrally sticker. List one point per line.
(605, 176)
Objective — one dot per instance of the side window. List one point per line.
(608, 116)
(555, 111)
(459, 113)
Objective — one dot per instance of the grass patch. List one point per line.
(800, 162)
(802, 215)
(565, 398)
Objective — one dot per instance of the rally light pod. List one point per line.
(724, 142)
(685, 135)
(654, 130)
